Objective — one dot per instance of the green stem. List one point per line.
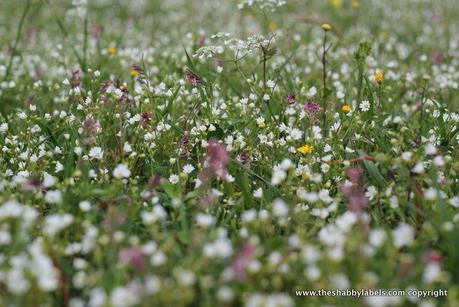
(421, 119)
(264, 83)
(264, 69)
(271, 112)
(18, 37)
(360, 82)
(324, 79)
(85, 43)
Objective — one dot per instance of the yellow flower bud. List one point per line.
(326, 27)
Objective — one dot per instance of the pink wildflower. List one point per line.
(192, 78)
(312, 108)
(242, 260)
(134, 257)
(216, 160)
(291, 99)
(353, 191)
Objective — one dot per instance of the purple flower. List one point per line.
(432, 256)
(32, 184)
(312, 108)
(438, 57)
(107, 86)
(184, 142)
(243, 157)
(183, 147)
(155, 182)
(113, 218)
(357, 202)
(242, 260)
(192, 78)
(96, 31)
(354, 174)
(133, 256)
(202, 40)
(76, 75)
(145, 119)
(353, 190)
(216, 160)
(91, 127)
(291, 99)
(208, 200)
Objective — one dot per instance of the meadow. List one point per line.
(229, 153)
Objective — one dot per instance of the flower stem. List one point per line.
(18, 37)
(421, 115)
(324, 80)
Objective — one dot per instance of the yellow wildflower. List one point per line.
(346, 108)
(261, 122)
(305, 149)
(134, 72)
(379, 77)
(112, 50)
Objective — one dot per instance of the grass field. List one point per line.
(229, 153)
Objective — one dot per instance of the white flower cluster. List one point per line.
(239, 47)
(280, 172)
(79, 8)
(38, 264)
(208, 51)
(268, 5)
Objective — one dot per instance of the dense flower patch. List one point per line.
(229, 153)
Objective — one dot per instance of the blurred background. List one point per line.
(418, 33)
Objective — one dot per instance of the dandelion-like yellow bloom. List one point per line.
(346, 108)
(262, 125)
(112, 50)
(326, 27)
(379, 77)
(134, 72)
(305, 149)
